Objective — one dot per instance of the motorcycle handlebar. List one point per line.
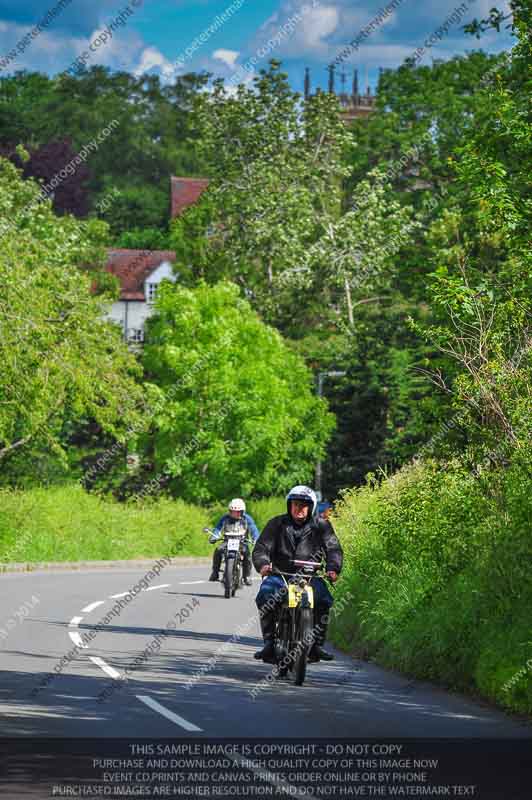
(275, 571)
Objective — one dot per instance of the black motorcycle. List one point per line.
(232, 558)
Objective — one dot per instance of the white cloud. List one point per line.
(53, 52)
(317, 24)
(152, 58)
(228, 57)
(298, 29)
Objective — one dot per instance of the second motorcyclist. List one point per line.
(236, 518)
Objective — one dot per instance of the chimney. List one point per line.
(307, 83)
(330, 69)
(355, 86)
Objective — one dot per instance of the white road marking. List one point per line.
(161, 586)
(116, 596)
(106, 668)
(74, 696)
(92, 606)
(75, 621)
(190, 583)
(153, 704)
(78, 641)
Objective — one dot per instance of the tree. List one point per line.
(135, 207)
(46, 162)
(147, 145)
(274, 206)
(236, 409)
(482, 280)
(61, 361)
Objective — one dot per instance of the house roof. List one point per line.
(132, 267)
(185, 192)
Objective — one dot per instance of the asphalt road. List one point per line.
(342, 699)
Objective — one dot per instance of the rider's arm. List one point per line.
(333, 548)
(217, 532)
(264, 546)
(252, 527)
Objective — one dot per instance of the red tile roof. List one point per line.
(132, 267)
(185, 192)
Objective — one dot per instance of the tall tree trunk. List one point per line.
(349, 302)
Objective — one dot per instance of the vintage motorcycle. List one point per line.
(233, 557)
(294, 625)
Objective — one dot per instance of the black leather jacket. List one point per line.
(282, 541)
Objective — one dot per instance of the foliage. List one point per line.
(438, 554)
(137, 207)
(236, 409)
(263, 510)
(494, 21)
(437, 566)
(71, 195)
(60, 359)
(276, 224)
(148, 145)
(480, 289)
(67, 524)
(144, 239)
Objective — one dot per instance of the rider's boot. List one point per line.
(216, 564)
(317, 653)
(246, 571)
(267, 625)
(247, 580)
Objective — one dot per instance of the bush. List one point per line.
(67, 524)
(263, 510)
(437, 563)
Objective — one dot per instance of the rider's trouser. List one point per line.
(271, 595)
(218, 555)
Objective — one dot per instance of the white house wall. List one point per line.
(131, 315)
(164, 270)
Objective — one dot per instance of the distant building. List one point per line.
(140, 272)
(185, 192)
(354, 104)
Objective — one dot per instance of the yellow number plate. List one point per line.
(294, 595)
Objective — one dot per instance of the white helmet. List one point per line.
(237, 504)
(304, 493)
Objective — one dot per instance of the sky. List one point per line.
(163, 36)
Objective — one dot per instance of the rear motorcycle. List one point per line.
(232, 559)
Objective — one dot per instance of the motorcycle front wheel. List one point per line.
(228, 577)
(303, 635)
(283, 643)
(237, 573)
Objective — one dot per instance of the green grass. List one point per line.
(65, 523)
(68, 524)
(438, 568)
(264, 510)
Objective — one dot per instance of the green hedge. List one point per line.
(263, 510)
(438, 566)
(67, 524)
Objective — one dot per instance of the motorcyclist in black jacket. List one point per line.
(299, 534)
